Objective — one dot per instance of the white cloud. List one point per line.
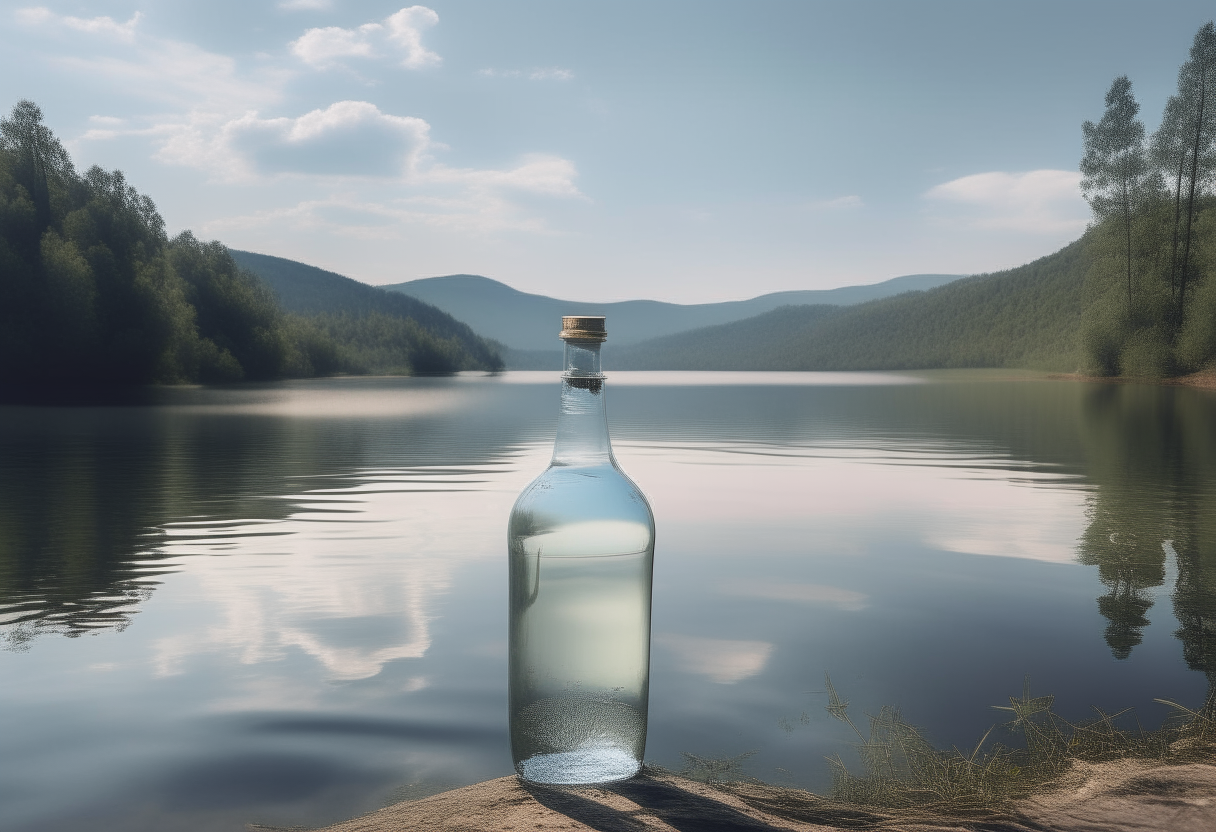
(379, 171)
(169, 73)
(400, 31)
(378, 168)
(41, 16)
(304, 5)
(368, 172)
(548, 73)
(320, 47)
(352, 139)
(1037, 201)
(537, 173)
(551, 73)
(405, 29)
(379, 215)
(840, 203)
(348, 138)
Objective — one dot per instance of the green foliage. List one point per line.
(903, 771)
(237, 317)
(93, 293)
(378, 331)
(1115, 166)
(1117, 176)
(1025, 318)
(1149, 300)
(312, 352)
(388, 345)
(86, 295)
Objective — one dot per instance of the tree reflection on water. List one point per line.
(1149, 452)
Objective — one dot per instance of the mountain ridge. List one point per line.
(1026, 317)
(525, 322)
(312, 291)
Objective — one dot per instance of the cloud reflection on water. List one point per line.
(802, 593)
(720, 660)
(354, 590)
(353, 578)
(953, 500)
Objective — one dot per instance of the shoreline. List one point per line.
(1202, 380)
(1115, 796)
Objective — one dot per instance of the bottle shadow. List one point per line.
(679, 809)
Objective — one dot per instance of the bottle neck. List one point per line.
(582, 426)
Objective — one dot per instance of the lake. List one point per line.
(286, 604)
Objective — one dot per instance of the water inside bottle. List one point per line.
(581, 645)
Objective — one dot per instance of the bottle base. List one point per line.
(582, 767)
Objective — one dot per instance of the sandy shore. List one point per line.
(1204, 380)
(1124, 796)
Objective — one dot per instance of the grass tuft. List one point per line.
(904, 771)
(715, 771)
(908, 781)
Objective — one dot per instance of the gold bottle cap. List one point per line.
(583, 328)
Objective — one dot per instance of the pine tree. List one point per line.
(1117, 176)
(1192, 118)
(1170, 151)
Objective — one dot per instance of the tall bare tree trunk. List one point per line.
(1127, 227)
(1177, 223)
(1190, 204)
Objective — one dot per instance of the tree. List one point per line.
(41, 161)
(1116, 174)
(1169, 151)
(47, 294)
(1186, 139)
(240, 325)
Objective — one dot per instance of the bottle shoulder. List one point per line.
(584, 484)
(592, 502)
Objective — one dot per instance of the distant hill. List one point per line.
(1026, 317)
(526, 322)
(308, 290)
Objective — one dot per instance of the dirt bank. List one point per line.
(1122, 796)
(1204, 380)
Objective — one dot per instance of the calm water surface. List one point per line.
(287, 604)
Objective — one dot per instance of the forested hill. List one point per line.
(1026, 317)
(311, 291)
(524, 321)
(95, 294)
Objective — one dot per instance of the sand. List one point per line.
(1124, 796)
(1203, 380)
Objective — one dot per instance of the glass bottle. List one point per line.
(581, 549)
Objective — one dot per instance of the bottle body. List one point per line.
(581, 555)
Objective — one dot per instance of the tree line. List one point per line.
(94, 293)
(1025, 318)
(1150, 292)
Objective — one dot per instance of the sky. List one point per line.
(681, 151)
